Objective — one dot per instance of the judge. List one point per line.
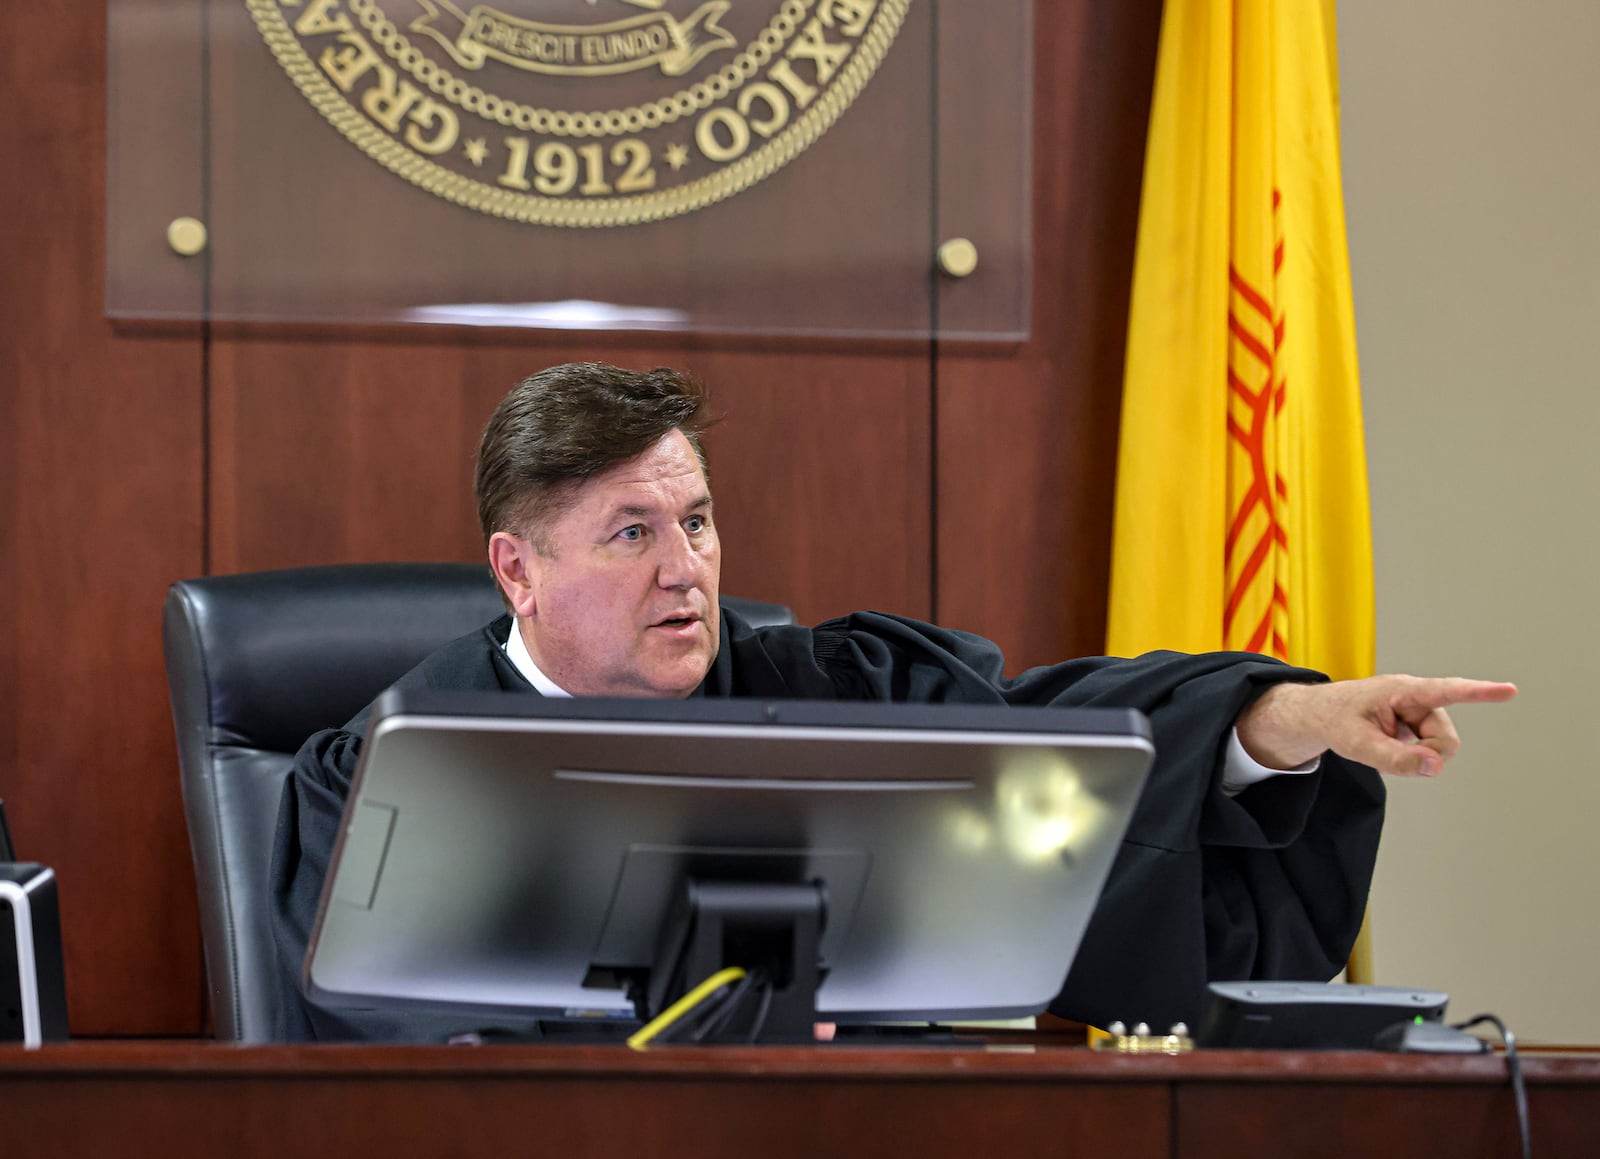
(1249, 855)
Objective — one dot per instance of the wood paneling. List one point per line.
(177, 1100)
(331, 450)
(579, 1101)
(822, 478)
(1027, 439)
(100, 451)
(333, 446)
(131, 456)
(559, 1116)
(1382, 1119)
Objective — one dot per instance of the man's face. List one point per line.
(622, 601)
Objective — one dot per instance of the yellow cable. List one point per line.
(682, 1006)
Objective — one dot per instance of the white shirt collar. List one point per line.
(516, 650)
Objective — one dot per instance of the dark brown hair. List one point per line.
(570, 423)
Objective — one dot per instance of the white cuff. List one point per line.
(1240, 770)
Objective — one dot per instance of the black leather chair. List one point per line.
(256, 663)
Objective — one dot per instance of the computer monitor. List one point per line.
(33, 986)
(506, 855)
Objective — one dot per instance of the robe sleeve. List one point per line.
(1271, 883)
(309, 815)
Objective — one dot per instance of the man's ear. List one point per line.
(513, 563)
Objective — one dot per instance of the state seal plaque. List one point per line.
(581, 112)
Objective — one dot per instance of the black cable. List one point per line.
(688, 1006)
(1519, 1090)
(767, 987)
(719, 1015)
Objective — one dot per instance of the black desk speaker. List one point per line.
(33, 987)
(1311, 1015)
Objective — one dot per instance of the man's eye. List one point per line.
(632, 533)
(695, 524)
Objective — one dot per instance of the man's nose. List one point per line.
(680, 565)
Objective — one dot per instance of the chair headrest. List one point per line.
(286, 653)
(268, 658)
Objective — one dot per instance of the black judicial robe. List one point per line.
(1271, 883)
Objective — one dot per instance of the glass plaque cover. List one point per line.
(830, 167)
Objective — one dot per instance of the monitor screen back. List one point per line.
(509, 864)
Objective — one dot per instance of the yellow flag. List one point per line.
(1242, 517)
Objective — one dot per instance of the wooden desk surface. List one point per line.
(172, 1100)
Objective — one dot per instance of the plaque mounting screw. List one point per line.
(958, 257)
(186, 236)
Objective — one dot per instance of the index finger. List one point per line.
(1440, 692)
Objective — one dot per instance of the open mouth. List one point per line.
(677, 622)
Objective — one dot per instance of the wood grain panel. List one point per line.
(330, 449)
(711, 1103)
(341, 445)
(330, 444)
(711, 1118)
(1026, 442)
(1225, 1122)
(822, 475)
(334, 450)
(100, 489)
(169, 1101)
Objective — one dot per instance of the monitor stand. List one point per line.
(771, 930)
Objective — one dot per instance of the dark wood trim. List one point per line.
(181, 1100)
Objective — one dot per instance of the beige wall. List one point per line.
(1472, 183)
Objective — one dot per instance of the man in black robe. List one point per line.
(1248, 856)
